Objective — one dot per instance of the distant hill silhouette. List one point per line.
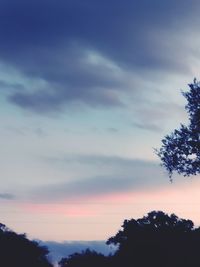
(17, 251)
(57, 250)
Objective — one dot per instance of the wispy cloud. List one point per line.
(6, 196)
(116, 175)
(147, 126)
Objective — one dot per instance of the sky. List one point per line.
(88, 89)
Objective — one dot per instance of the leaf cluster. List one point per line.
(180, 150)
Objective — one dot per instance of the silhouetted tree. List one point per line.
(16, 250)
(157, 240)
(180, 150)
(86, 258)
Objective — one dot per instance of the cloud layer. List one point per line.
(91, 53)
(116, 175)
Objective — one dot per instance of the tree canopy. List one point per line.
(87, 258)
(180, 150)
(157, 240)
(17, 250)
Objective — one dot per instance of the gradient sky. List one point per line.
(87, 90)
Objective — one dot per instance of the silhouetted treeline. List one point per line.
(17, 251)
(156, 240)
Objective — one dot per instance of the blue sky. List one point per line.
(87, 90)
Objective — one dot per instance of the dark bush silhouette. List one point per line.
(180, 150)
(87, 258)
(157, 240)
(17, 251)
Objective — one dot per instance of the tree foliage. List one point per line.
(17, 250)
(157, 240)
(86, 258)
(180, 150)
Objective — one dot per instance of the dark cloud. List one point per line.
(6, 196)
(43, 102)
(83, 50)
